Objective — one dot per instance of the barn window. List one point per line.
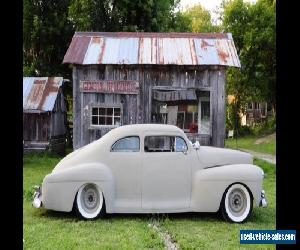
(106, 116)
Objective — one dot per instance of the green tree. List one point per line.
(261, 49)
(180, 23)
(122, 15)
(253, 30)
(200, 20)
(46, 36)
(48, 26)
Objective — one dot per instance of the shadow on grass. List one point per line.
(149, 217)
(50, 214)
(256, 217)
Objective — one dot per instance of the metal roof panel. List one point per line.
(40, 93)
(152, 48)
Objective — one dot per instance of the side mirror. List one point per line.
(196, 145)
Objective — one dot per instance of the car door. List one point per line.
(125, 163)
(166, 174)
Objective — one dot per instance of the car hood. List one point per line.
(215, 157)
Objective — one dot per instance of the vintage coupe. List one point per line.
(152, 168)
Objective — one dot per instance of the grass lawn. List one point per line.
(55, 230)
(267, 146)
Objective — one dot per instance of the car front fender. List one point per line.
(209, 184)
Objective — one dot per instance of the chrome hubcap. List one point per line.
(90, 198)
(237, 202)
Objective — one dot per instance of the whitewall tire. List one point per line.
(89, 202)
(237, 203)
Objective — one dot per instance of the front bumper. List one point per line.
(263, 201)
(37, 197)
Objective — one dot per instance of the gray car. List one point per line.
(152, 168)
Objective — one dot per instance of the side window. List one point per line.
(159, 144)
(180, 145)
(127, 144)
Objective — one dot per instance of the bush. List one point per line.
(245, 130)
(265, 128)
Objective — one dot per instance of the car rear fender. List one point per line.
(68, 181)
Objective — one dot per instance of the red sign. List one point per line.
(117, 87)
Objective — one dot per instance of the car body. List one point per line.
(152, 168)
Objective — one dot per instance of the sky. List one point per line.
(210, 5)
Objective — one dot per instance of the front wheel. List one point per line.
(89, 202)
(237, 203)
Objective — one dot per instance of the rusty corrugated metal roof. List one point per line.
(152, 48)
(40, 93)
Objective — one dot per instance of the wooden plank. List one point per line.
(221, 118)
(214, 107)
(135, 76)
(147, 82)
(141, 96)
(218, 107)
(76, 109)
(205, 78)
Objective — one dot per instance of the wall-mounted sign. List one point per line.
(114, 86)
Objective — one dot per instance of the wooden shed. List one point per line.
(173, 78)
(44, 114)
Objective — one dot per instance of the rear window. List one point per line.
(127, 144)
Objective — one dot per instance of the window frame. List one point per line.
(185, 113)
(111, 147)
(105, 106)
(187, 148)
(201, 100)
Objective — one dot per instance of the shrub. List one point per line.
(265, 128)
(245, 130)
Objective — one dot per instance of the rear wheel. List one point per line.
(89, 202)
(237, 203)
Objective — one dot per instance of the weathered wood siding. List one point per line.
(137, 108)
(36, 127)
(218, 111)
(48, 129)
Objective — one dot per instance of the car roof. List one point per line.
(146, 127)
(137, 129)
